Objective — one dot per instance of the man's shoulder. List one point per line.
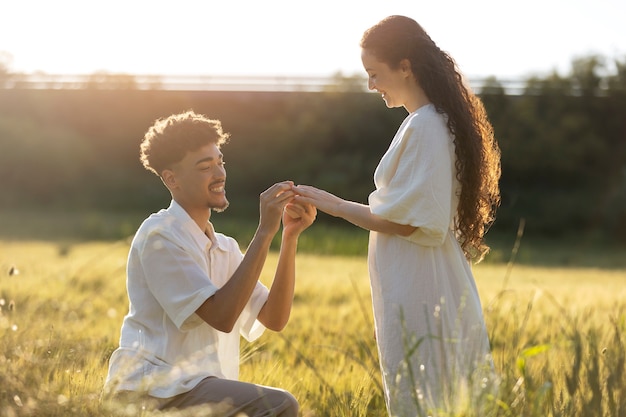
(161, 222)
(162, 218)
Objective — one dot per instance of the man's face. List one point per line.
(199, 180)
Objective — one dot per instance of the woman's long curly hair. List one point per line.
(477, 153)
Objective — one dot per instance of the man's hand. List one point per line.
(298, 217)
(272, 204)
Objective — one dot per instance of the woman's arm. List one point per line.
(355, 213)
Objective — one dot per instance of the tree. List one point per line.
(586, 74)
(617, 82)
(103, 80)
(5, 63)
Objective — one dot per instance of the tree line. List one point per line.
(563, 141)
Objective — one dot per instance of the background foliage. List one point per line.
(563, 146)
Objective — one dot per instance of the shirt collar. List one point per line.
(204, 238)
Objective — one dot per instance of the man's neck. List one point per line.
(200, 216)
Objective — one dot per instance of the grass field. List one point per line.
(557, 327)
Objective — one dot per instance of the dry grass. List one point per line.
(557, 334)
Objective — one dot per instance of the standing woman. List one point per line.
(436, 194)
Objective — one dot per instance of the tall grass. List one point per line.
(557, 333)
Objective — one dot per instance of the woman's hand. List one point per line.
(323, 200)
(356, 213)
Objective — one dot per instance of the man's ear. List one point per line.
(168, 178)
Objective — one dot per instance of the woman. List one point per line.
(436, 194)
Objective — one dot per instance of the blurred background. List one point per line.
(80, 82)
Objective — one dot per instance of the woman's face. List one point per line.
(390, 83)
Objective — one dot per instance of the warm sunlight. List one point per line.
(279, 37)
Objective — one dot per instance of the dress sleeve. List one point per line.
(414, 185)
(176, 281)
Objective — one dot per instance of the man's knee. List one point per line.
(291, 405)
(281, 402)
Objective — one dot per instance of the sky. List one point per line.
(509, 40)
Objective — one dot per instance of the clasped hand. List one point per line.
(323, 200)
(277, 202)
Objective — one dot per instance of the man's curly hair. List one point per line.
(168, 140)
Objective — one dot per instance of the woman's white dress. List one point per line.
(432, 341)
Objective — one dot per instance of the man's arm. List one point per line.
(276, 311)
(223, 308)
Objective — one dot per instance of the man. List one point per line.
(192, 293)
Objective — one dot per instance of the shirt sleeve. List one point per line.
(175, 279)
(416, 188)
(251, 328)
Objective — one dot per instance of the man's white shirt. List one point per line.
(173, 268)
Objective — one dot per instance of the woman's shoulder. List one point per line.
(427, 120)
(425, 114)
